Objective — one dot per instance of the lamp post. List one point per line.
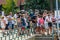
(57, 16)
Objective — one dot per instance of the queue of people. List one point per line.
(41, 22)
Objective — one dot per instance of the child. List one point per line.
(10, 24)
(13, 22)
(3, 24)
(41, 21)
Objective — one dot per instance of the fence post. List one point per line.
(0, 38)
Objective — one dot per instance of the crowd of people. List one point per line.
(40, 21)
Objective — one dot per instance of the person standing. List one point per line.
(10, 24)
(49, 20)
(6, 19)
(41, 21)
(3, 25)
(16, 15)
(19, 25)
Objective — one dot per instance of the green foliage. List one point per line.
(37, 4)
(9, 6)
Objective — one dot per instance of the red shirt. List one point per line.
(41, 21)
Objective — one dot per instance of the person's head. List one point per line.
(49, 13)
(53, 15)
(6, 15)
(18, 18)
(38, 16)
(30, 21)
(10, 13)
(2, 17)
(45, 11)
(17, 13)
(41, 16)
(23, 15)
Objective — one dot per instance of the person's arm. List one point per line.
(59, 19)
(4, 23)
(47, 20)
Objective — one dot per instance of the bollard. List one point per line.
(19, 38)
(11, 37)
(52, 33)
(3, 38)
(16, 38)
(1, 34)
(24, 34)
(15, 35)
(0, 38)
(7, 38)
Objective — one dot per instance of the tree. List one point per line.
(9, 6)
(37, 4)
(51, 4)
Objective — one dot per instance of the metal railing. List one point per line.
(23, 34)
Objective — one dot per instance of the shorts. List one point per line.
(10, 26)
(2, 26)
(6, 26)
(42, 27)
(49, 24)
(46, 25)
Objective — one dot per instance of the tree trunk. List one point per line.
(18, 3)
(51, 4)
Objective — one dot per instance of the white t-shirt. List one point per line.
(6, 19)
(38, 21)
(15, 16)
(49, 18)
(46, 23)
(46, 19)
(9, 16)
(2, 24)
(26, 21)
(13, 22)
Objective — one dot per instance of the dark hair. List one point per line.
(41, 16)
(6, 15)
(2, 17)
(18, 17)
(17, 12)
